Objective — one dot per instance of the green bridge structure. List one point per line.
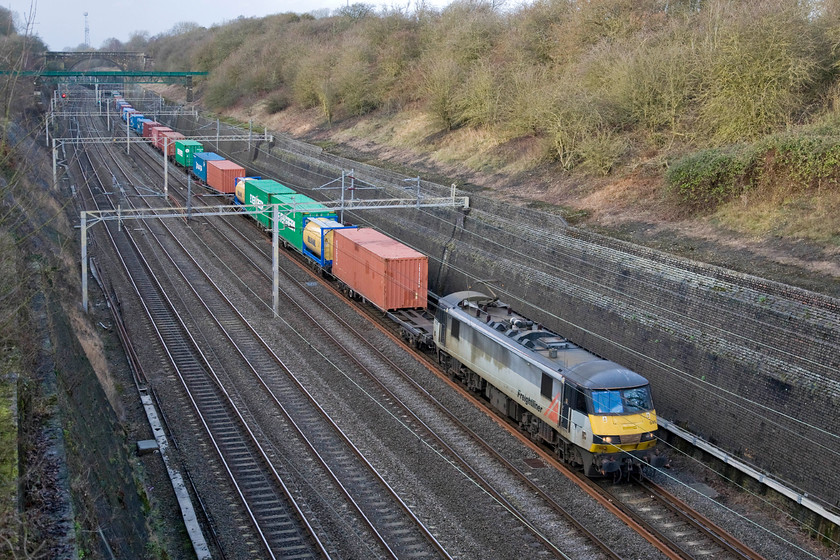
(134, 67)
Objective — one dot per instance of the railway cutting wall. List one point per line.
(749, 365)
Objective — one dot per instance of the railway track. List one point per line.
(417, 426)
(438, 441)
(689, 534)
(404, 411)
(279, 523)
(702, 540)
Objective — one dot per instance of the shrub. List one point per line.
(777, 167)
(276, 102)
(440, 84)
(354, 88)
(528, 100)
(760, 67)
(479, 100)
(652, 84)
(601, 151)
(706, 179)
(574, 119)
(806, 158)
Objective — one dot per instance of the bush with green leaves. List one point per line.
(777, 166)
(706, 179)
(807, 160)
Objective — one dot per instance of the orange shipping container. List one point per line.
(156, 132)
(148, 127)
(222, 174)
(171, 137)
(387, 273)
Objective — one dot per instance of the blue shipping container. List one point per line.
(200, 160)
(134, 120)
(140, 123)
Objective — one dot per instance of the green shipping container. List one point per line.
(184, 150)
(259, 192)
(294, 210)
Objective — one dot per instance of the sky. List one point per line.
(61, 23)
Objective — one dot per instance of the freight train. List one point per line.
(593, 413)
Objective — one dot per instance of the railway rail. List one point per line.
(703, 538)
(200, 282)
(690, 535)
(279, 523)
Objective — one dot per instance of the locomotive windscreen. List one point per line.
(622, 401)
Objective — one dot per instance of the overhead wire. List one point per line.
(699, 382)
(665, 367)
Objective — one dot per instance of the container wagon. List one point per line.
(166, 141)
(295, 210)
(382, 270)
(148, 127)
(222, 175)
(318, 240)
(200, 163)
(184, 150)
(157, 131)
(135, 122)
(258, 191)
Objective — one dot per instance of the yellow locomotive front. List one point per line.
(622, 424)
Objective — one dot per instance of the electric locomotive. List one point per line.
(595, 414)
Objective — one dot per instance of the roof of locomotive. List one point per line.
(543, 346)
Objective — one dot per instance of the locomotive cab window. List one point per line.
(621, 401)
(455, 328)
(578, 399)
(547, 386)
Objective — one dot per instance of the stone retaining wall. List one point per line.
(752, 366)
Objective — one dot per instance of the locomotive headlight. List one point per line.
(606, 439)
(647, 436)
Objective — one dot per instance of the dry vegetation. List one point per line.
(729, 108)
(27, 498)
